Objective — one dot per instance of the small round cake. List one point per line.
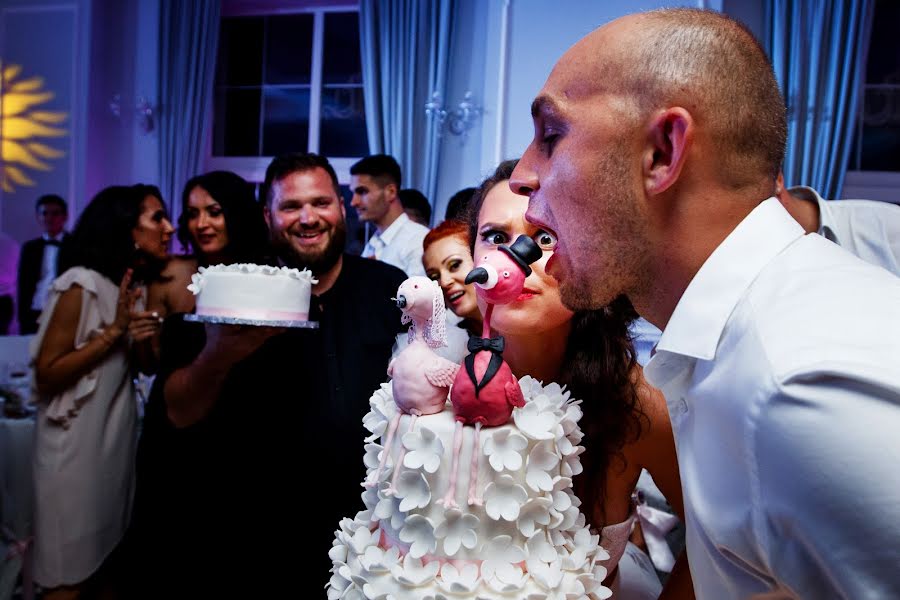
(252, 292)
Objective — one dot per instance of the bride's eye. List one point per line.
(545, 240)
(494, 237)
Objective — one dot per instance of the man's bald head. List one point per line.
(707, 63)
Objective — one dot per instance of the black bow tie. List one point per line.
(52, 242)
(494, 344)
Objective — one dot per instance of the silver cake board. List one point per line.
(255, 322)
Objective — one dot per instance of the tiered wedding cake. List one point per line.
(528, 539)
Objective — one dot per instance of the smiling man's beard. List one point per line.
(318, 262)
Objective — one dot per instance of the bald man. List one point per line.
(658, 138)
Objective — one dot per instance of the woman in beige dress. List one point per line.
(86, 428)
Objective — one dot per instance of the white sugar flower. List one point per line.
(541, 460)
(562, 500)
(501, 550)
(585, 586)
(536, 423)
(376, 560)
(388, 507)
(539, 547)
(505, 578)
(373, 456)
(599, 574)
(457, 529)
(571, 417)
(535, 512)
(414, 489)
(413, 573)
(504, 449)
(571, 464)
(338, 553)
(564, 445)
(582, 546)
(354, 592)
(503, 498)
(363, 518)
(370, 497)
(570, 518)
(462, 581)
(531, 387)
(547, 575)
(362, 538)
(436, 596)
(196, 284)
(425, 450)
(381, 410)
(419, 533)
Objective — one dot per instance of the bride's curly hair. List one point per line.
(599, 368)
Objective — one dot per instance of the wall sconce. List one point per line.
(144, 112)
(459, 120)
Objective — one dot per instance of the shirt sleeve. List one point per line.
(828, 468)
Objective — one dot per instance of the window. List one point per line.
(288, 82)
(876, 145)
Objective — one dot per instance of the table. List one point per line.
(16, 501)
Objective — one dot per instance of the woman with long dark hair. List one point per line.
(626, 423)
(220, 223)
(86, 427)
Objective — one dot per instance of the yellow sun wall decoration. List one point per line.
(23, 124)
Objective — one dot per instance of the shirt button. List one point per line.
(682, 405)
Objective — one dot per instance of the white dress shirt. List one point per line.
(48, 272)
(867, 228)
(781, 370)
(399, 245)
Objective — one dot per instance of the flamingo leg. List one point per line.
(392, 489)
(392, 428)
(474, 495)
(449, 499)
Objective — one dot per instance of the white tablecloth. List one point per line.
(16, 495)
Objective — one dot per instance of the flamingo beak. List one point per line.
(477, 275)
(401, 302)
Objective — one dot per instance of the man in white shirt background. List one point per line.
(867, 228)
(39, 261)
(658, 138)
(375, 183)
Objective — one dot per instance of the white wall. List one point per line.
(537, 32)
(49, 40)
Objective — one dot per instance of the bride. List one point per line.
(626, 423)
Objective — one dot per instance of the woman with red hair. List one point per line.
(447, 260)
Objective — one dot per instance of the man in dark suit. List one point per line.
(39, 261)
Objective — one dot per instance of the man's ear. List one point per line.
(669, 137)
(392, 191)
(267, 215)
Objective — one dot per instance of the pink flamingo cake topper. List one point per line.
(419, 377)
(485, 391)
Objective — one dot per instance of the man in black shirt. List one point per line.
(252, 445)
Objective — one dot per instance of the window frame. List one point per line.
(253, 168)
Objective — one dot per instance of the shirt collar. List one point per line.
(826, 219)
(393, 229)
(48, 238)
(705, 306)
